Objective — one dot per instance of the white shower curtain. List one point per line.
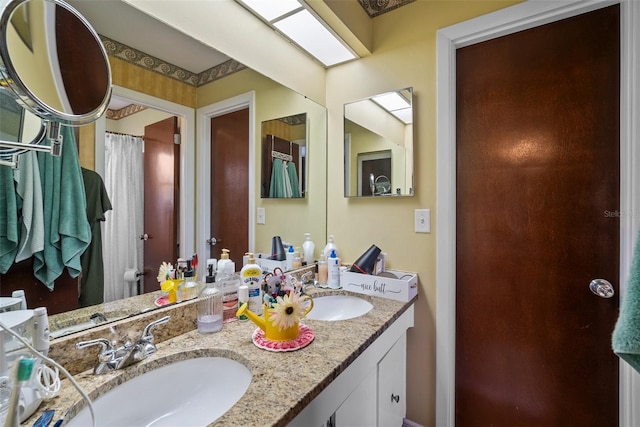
(124, 179)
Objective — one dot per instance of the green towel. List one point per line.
(293, 179)
(626, 334)
(27, 178)
(66, 230)
(8, 219)
(277, 187)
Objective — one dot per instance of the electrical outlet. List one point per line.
(423, 221)
(261, 216)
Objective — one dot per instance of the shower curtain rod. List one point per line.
(125, 134)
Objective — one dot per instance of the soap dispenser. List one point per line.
(210, 306)
(330, 245)
(308, 249)
(229, 282)
(189, 288)
(224, 259)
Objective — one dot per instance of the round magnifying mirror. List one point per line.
(52, 60)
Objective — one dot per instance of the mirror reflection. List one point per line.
(378, 145)
(284, 156)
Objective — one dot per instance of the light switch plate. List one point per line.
(423, 221)
(261, 216)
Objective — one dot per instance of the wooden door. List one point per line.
(537, 170)
(161, 197)
(230, 184)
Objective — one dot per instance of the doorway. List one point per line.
(507, 21)
(204, 175)
(532, 342)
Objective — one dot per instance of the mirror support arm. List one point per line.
(53, 134)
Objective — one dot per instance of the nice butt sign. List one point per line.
(403, 286)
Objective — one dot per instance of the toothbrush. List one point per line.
(22, 373)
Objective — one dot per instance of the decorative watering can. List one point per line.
(272, 320)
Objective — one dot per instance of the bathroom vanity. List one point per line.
(352, 370)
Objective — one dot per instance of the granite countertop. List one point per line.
(282, 383)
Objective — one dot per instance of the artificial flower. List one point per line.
(287, 311)
(165, 272)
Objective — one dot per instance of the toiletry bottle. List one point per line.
(224, 259)
(229, 282)
(308, 249)
(297, 260)
(323, 273)
(210, 308)
(243, 296)
(251, 275)
(290, 255)
(330, 245)
(189, 288)
(333, 265)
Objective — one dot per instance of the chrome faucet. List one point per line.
(307, 280)
(111, 358)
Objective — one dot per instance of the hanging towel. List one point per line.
(66, 230)
(92, 281)
(293, 179)
(626, 334)
(8, 219)
(27, 178)
(277, 186)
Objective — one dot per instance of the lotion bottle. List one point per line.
(251, 275)
(330, 246)
(333, 266)
(323, 273)
(290, 254)
(308, 249)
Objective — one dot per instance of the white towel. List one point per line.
(28, 187)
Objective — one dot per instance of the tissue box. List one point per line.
(268, 265)
(403, 286)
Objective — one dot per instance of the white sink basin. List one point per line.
(193, 392)
(338, 307)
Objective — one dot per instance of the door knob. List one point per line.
(602, 288)
(212, 241)
(144, 236)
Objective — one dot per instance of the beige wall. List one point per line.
(288, 218)
(404, 54)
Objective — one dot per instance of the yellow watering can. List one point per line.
(274, 332)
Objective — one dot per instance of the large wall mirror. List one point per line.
(284, 157)
(272, 101)
(378, 145)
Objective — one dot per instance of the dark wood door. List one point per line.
(230, 184)
(537, 171)
(161, 196)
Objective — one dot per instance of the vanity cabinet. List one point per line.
(371, 391)
(380, 400)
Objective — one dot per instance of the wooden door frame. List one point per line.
(203, 145)
(187, 157)
(506, 21)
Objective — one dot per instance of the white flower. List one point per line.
(287, 311)
(165, 271)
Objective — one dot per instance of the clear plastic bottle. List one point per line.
(189, 288)
(229, 282)
(210, 309)
(323, 272)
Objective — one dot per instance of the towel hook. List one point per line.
(601, 287)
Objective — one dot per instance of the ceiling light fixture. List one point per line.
(303, 27)
(396, 104)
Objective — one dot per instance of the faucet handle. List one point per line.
(146, 333)
(107, 350)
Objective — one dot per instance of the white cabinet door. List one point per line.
(392, 384)
(359, 410)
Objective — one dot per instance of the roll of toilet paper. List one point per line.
(131, 275)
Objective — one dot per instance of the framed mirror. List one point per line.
(378, 145)
(284, 157)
